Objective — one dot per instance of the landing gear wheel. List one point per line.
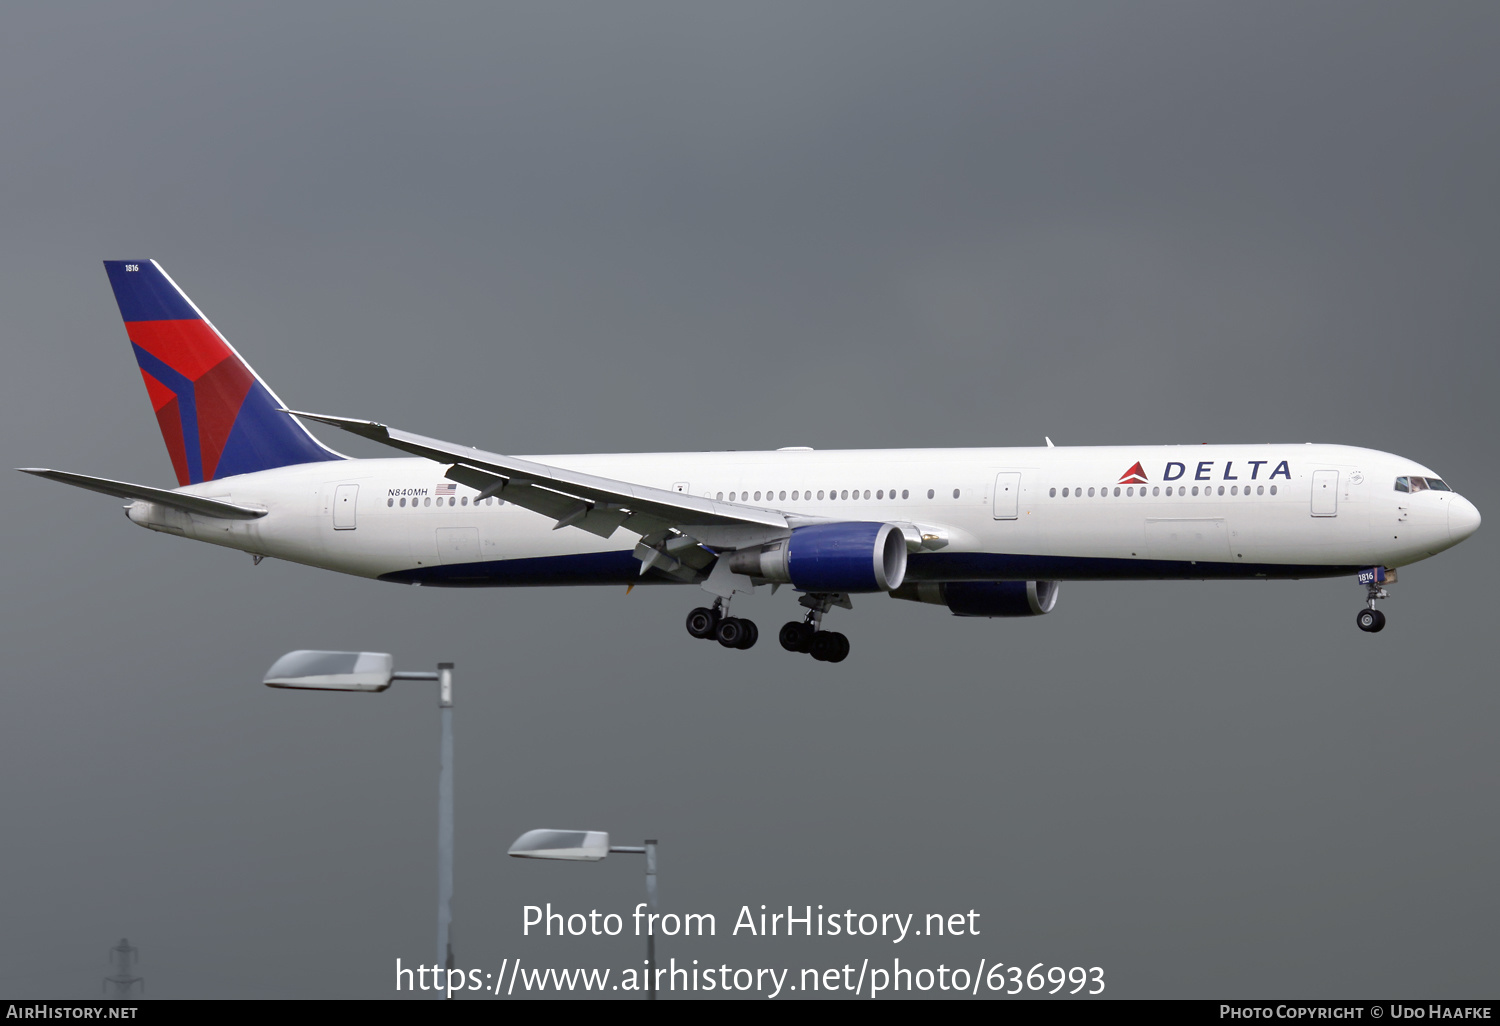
(796, 636)
(829, 646)
(732, 632)
(702, 622)
(1371, 621)
(752, 634)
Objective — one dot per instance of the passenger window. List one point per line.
(903, 493)
(1273, 489)
(843, 495)
(955, 493)
(1155, 491)
(820, 494)
(1091, 493)
(1195, 489)
(1260, 489)
(1065, 493)
(1052, 493)
(1117, 491)
(720, 496)
(930, 493)
(1234, 489)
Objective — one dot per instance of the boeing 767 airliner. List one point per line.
(986, 532)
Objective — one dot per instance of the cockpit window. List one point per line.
(1421, 484)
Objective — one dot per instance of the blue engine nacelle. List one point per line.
(986, 598)
(843, 557)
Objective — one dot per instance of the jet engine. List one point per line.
(985, 598)
(845, 557)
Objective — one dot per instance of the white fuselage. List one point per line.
(1275, 510)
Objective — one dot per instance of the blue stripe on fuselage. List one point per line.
(623, 568)
(1000, 566)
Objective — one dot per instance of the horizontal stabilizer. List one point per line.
(162, 496)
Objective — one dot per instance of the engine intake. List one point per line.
(985, 598)
(848, 557)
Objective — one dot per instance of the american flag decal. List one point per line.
(447, 488)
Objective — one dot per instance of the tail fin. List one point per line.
(217, 416)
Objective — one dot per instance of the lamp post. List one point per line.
(311, 670)
(592, 846)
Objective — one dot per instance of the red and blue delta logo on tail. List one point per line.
(216, 415)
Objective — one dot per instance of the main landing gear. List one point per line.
(1370, 619)
(824, 646)
(710, 624)
(807, 635)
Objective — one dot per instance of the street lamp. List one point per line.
(591, 846)
(310, 670)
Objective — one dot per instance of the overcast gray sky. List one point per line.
(598, 227)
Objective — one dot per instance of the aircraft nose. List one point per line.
(1463, 518)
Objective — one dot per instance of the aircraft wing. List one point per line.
(161, 496)
(673, 525)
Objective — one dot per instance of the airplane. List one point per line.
(986, 532)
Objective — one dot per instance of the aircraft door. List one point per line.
(1325, 493)
(344, 499)
(1007, 494)
(458, 545)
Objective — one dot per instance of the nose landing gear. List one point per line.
(1370, 619)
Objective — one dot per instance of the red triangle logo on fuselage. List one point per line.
(1135, 475)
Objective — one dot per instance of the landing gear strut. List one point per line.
(711, 624)
(808, 636)
(1370, 619)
